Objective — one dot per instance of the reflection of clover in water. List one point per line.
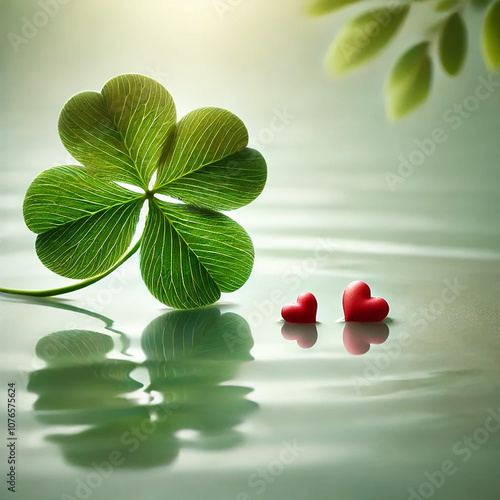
(188, 355)
(79, 375)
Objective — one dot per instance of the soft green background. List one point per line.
(437, 378)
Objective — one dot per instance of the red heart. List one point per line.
(359, 336)
(306, 335)
(359, 305)
(304, 311)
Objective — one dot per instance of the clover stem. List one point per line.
(76, 286)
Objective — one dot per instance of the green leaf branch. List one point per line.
(410, 80)
(86, 218)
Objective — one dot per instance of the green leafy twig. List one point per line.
(85, 219)
(409, 82)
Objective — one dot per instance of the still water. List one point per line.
(229, 403)
(118, 397)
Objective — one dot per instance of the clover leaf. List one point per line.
(86, 217)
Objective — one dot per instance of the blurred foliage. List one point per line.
(409, 82)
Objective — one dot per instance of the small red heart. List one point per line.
(304, 311)
(359, 336)
(359, 305)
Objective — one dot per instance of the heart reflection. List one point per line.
(305, 334)
(359, 336)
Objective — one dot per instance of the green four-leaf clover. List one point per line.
(86, 218)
